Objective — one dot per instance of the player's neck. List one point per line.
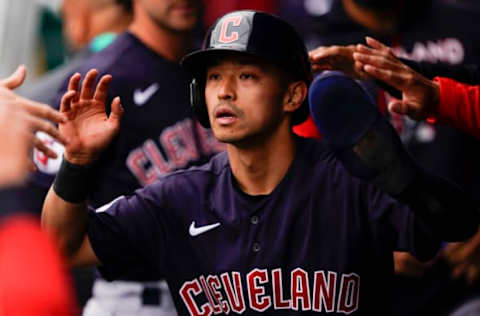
(171, 46)
(259, 168)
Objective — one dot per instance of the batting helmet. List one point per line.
(253, 33)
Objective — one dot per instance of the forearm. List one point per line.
(66, 221)
(443, 206)
(468, 74)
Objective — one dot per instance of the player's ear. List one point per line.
(294, 96)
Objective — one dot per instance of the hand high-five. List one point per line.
(336, 58)
(87, 127)
(20, 118)
(34, 113)
(377, 61)
(419, 94)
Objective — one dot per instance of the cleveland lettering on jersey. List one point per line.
(175, 149)
(320, 291)
(447, 50)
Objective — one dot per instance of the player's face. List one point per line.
(174, 15)
(244, 99)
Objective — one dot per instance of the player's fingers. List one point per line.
(331, 53)
(360, 48)
(398, 107)
(378, 61)
(41, 146)
(73, 83)
(88, 85)
(15, 79)
(37, 124)
(358, 68)
(43, 111)
(102, 88)
(378, 45)
(320, 52)
(116, 113)
(392, 78)
(472, 274)
(411, 110)
(66, 101)
(321, 67)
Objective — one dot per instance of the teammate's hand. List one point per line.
(336, 58)
(35, 113)
(420, 96)
(407, 265)
(88, 129)
(464, 259)
(17, 142)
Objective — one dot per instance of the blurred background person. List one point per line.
(88, 26)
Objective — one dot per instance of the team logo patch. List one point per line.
(43, 163)
(227, 35)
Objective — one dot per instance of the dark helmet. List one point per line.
(253, 33)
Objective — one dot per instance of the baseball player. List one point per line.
(275, 223)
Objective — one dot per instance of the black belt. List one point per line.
(151, 296)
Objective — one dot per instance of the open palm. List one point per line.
(88, 128)
(419, 94)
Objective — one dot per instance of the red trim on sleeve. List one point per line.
(307, 129)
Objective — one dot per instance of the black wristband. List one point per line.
(72, 181)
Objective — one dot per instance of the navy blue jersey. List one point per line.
(322, 241)
(158, 132)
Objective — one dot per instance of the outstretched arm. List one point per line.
(89, 131)
(370, 149)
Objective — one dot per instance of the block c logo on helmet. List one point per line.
(233, 36)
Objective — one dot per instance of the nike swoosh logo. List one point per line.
(141, 97)
(195, 231)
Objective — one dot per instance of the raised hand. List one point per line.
(336, 58)
(464, 259)
(419, 94)
(34, 113)
(88, 128)
(17, 142)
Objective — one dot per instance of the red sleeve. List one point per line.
(459, 106)
(307, 129)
